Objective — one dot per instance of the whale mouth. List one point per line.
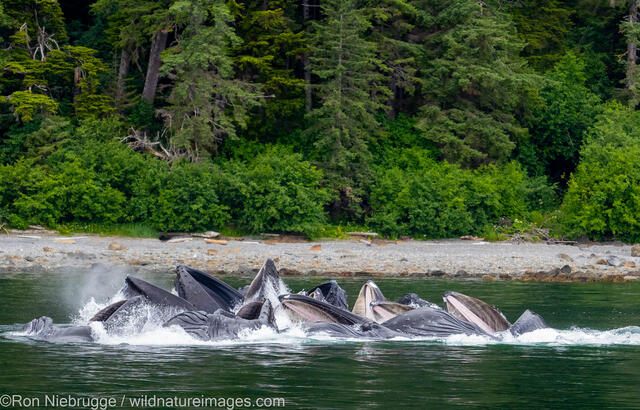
(209, 292)
(265, 280)
(369, 293)
(385, 310)
(475, 311)
(314, 310)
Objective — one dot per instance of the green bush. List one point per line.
(187, 199)
(276, 191)
(603, 199)
(443, 200)
(65, 193)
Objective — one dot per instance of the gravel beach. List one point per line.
(33, 251)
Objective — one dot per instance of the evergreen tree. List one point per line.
(42, 75)
(393, 24)
(544, 26)
(475, 84)
(272, 44)
(350, 92)
(207, 103)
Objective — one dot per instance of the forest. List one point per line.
(421, 118)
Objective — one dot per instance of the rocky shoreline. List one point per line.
(38, 251)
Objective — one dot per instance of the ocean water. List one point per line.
(589, 359)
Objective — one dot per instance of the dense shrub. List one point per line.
(185, 198)
(603, 199)
(64, 193)
(443, 200)
(558, 126)
(276, 191)
(90, 177)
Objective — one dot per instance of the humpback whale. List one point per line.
(205, 306)
(527, 322)
(369, 330)
(370, 292)
(305, 308)
(430, 322)
(490, 318)
(372, 304)
(138, 287)
(384, 310)
(42, 328)
(331, 293)
(267, 279)
(415, 301)
(250, 310)
(124, 315)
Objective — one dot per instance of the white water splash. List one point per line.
(86, 312)
(575, 336)
(144, 326)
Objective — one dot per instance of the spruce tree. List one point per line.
(350, 92)
(272, 43)
(475, 86)
(393, 24)
(207, 103)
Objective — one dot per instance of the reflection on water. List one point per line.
(582, 364)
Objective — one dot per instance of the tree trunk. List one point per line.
(305, 59)
(393, 99)
(153, 70)
(125, 58)
(632, 48)
(77, 76)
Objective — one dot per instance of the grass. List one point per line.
(337, 231)
(133, 230)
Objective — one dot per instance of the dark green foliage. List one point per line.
(94, 178)
(544, 25)
(405, 145)
(276, 191)
(475, 84)
(351, 89)
(441, 200)
(603, 199)
(281, 115)
(558, 126)
(12, 146)
(65, 192)
(185, 199)
(207, 104)
(272, 40)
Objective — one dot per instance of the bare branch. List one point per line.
(139, 141)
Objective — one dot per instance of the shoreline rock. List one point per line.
(453, 259)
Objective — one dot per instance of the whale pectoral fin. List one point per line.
(194, 322)
(527, 322)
